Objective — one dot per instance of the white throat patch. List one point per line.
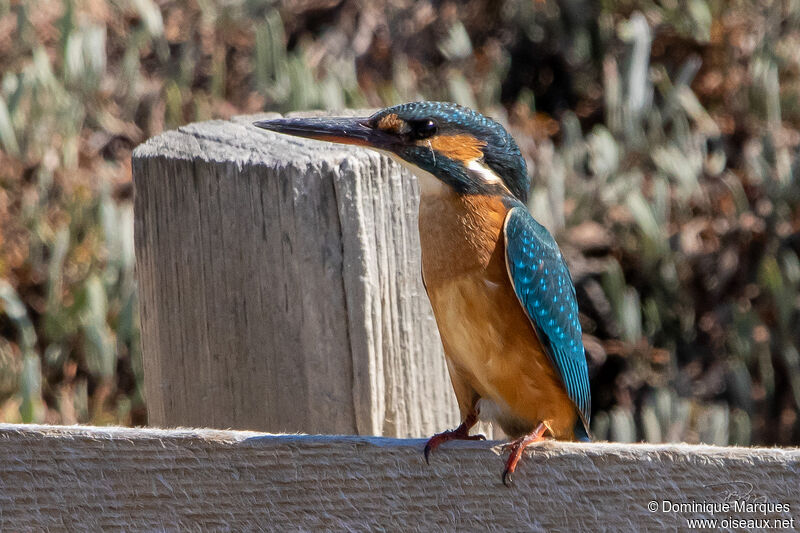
(430, 185)
(485, 174)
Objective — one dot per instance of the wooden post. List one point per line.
(97, 479)
(280, 288)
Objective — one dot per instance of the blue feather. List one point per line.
(501, 153)
(544, 287)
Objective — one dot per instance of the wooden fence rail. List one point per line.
(91, 479)
(86, 478)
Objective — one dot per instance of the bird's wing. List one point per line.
(544, 287)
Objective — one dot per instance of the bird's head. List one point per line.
(442, 143)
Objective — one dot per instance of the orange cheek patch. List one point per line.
(391, 122)
(462, 147)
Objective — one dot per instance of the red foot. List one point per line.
(517, 447)
(460, 433)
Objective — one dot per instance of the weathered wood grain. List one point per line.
(98, 479)
(280, 287)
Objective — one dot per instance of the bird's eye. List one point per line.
(423, 129)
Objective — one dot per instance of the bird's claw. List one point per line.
(516, 448)
(507, 478)
(455, 434)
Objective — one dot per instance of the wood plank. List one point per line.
(81, 478)
(280, 289)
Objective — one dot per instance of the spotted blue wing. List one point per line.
(545, 290)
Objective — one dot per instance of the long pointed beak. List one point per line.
(343, 130)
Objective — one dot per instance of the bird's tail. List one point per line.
(580, 431)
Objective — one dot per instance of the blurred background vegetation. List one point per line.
(662, 138)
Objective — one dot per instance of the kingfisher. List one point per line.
(500, 290)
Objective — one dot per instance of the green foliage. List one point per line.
(662, 138)
(704, 254)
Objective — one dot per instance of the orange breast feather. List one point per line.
(493, 352)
